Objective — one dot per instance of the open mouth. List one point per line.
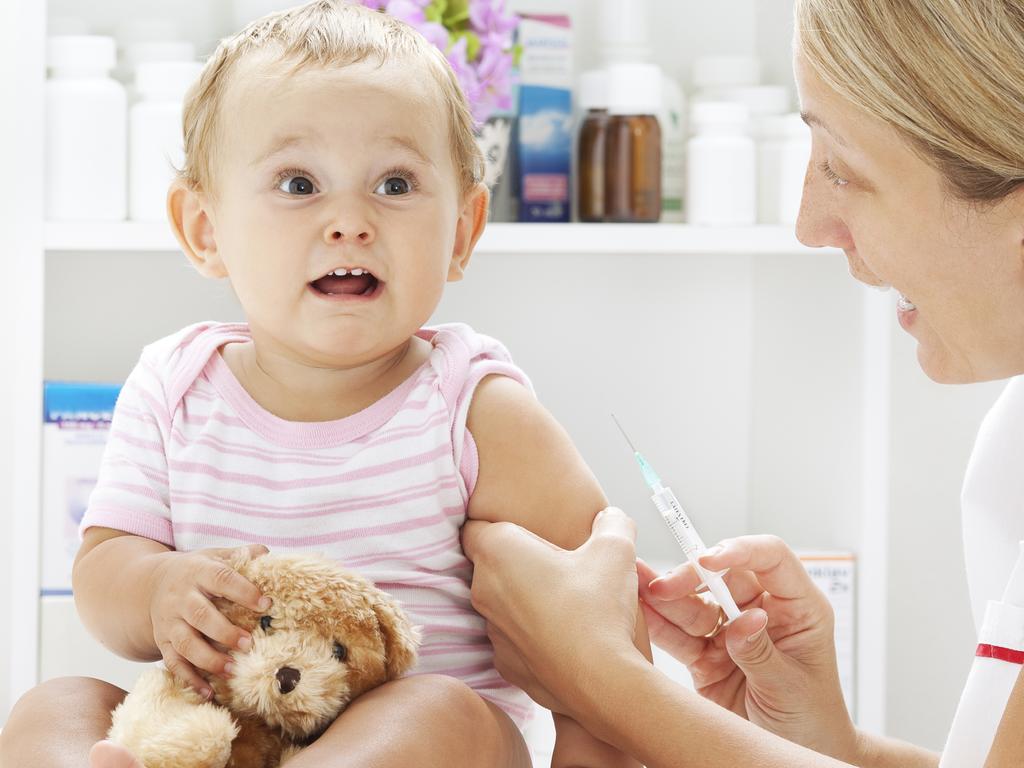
(347, 281)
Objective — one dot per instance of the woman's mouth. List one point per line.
(903, 304)
(347, 283)
(906, 312)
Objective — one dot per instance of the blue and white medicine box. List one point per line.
(545, 130)
(76, 422)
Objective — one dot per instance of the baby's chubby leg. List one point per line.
(430, 721)
(56, 724)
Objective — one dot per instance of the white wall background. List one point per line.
(753, 415)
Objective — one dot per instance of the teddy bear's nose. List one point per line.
(288, 678)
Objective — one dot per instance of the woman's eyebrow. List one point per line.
(812, 119)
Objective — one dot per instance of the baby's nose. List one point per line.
(288, 678)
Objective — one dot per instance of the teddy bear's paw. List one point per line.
(289, 751)
(106, 754)
(196, 737)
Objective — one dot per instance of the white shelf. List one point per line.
(676, 239)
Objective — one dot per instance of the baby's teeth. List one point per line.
(340, 272)
(357, 272)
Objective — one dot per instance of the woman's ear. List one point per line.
(471, 224)
(188, 211)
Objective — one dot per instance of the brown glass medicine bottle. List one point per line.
(632, 166)
(593, 100)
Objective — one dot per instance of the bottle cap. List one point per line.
(81, 53)
(760, 99)
(782, 127)
(625, 29)
(726, 71)
(158, 50)
(593, 90)
(634, 89)
(168, 80)
(727, 116)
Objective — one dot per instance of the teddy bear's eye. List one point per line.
(340, 652)
(265, 623)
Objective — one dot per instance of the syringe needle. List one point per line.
(632, 447)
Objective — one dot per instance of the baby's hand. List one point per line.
(185, 621)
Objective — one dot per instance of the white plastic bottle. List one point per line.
(672, 119)
(156, 145)
(784, 148)
(86, 119)
(721, 187)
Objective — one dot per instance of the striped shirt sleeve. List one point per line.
(132, 493)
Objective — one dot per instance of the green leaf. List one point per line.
(456, 15)
(435, 11)
(472, 43)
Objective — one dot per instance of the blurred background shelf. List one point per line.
(499, 238)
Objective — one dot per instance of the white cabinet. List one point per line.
(752, 372)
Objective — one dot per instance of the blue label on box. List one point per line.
(545, 150)
(79, 403)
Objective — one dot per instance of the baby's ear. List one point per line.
(400, 637)
(189, 213)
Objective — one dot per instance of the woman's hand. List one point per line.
(552, 612)
(774, 665)
(187, 625)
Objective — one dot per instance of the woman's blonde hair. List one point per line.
(323, 33)
(948, 74)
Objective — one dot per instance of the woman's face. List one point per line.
(959, 266)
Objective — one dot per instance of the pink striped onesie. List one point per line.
(194, 462)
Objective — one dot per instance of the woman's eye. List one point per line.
(265, 622)
(296, 185)
(340, 652)
(395, 185)
(831, 175)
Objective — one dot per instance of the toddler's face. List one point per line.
(338, 208)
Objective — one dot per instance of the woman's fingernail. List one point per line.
(265, 603)
(712, 552)
(206, 693)
(230, 669)
(245, 643)
(756, 635)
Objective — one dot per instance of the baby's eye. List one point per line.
(295, 184)
(394, 185)
(265, 622)
(340, 652)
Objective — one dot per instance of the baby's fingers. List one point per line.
(204, 616)
(184, 671)
(193, 648)
(219, 579)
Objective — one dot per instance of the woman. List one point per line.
(917, 173)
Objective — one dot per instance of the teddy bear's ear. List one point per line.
(400, 636)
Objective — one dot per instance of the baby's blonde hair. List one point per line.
(948, 74)
(323, 33)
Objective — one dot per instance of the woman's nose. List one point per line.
(817, 224)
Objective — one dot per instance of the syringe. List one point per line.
(685, 534)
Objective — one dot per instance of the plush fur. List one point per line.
(332, 635)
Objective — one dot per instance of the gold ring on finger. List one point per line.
(718, 626)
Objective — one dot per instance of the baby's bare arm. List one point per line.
(532, 475)
(145, 601)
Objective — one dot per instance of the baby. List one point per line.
(332, 176)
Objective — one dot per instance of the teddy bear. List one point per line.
(329, 636)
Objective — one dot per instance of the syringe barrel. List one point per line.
(672, 511)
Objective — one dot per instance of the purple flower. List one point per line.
(486, 77)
